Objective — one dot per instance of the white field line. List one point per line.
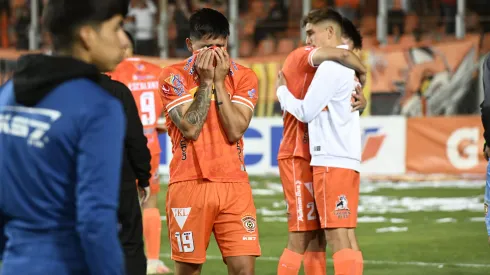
(368, 262)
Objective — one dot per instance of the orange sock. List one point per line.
(152, 228)
(289, 263)
(344, 262)
(359, 263)
(315, 263)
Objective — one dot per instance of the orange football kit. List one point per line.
(294, 152)
(209, 189)
(141, 78)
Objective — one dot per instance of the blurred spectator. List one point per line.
(179, 12)
(219, 5)
(397, 10)
(22, 20)
(448, 10)
(142, 16)
(348, 8)
(275, 22)
(4, 18)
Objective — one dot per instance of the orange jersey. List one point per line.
(211, 156)
(141, 78)
(299, 71)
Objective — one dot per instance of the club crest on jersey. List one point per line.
(249, 223)
(177, 83)
(251, 93)
(342, 207)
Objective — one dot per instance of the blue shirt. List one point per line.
(60, 168)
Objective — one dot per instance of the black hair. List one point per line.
(323, 14)
(131, 38)
(63, 17)
(351, 32)
(208, 23)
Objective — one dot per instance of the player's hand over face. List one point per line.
(204, 65)
(281, 80)
(222, 65)
(360, 101)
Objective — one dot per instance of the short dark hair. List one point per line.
(323, 14)
(63, 17)
(208, 23)
(351, 32)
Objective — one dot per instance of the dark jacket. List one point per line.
(136, 157)
(61, 144)
(485, 105)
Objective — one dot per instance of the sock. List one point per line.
(344, 262)
(359, 263)
(152, 228)
(289, 263)
(315, 263)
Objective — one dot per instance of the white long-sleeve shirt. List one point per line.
(335, 135)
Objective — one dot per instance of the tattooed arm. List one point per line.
(190, 117)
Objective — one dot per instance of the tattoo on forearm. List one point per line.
(198, 111)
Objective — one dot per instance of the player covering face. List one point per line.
(305, 242)
(208, 102)
(334, 143)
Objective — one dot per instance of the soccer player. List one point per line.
(335, 143)
(141, 78)
(208, 102)
(61, 143)
(305, 242)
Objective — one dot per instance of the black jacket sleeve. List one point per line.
(136, 164)
(136, 142)
(485, 106)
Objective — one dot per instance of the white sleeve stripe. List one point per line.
(180, 103)
(177, 100)
(244, 99)
(310, 57)
(239, 102)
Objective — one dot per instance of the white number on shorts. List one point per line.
(147, 108)
(311, 214)
(185, 241)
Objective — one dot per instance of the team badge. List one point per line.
(342, 207)
(177, 83)
(249, 223)
(251, 93)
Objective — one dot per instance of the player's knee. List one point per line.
(152, 202)
(298, 241)
(337, 235)
(351, 233)
(318, 242)
(182, 268)
(241, 265)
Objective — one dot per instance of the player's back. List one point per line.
(38, 168)
(211, 156)
(141, 77)
(335, 137)
(298, 71)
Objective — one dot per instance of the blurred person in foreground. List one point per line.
(306, 238)
(209, 101)
(485, 116)
(136, 168)
(141, 77)
(61, 140)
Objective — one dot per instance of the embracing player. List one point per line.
(141, 77)
(334, 141)
(208, 102)
(306, 242)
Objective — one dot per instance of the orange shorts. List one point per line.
(336, 196)
(155, 176)
(197, 208)
(297, 183)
